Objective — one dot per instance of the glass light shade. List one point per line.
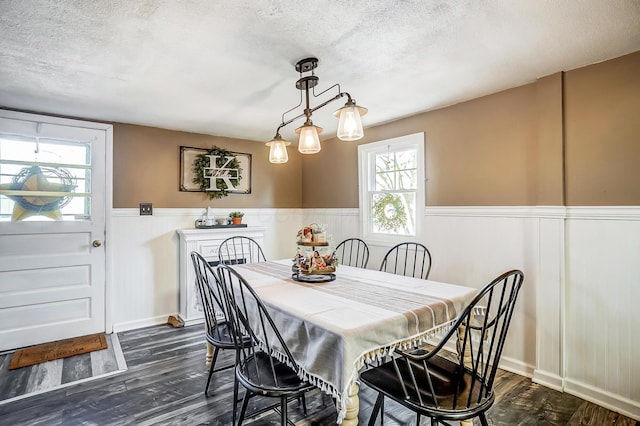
(278, 150)
(350, 124)
(309, 141)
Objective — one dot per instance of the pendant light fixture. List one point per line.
(349, 124)
(278, 151)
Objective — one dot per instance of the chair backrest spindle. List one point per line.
(353, 252)
(240, 249)
(409, 259)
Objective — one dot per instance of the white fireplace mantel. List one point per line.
(205, 242)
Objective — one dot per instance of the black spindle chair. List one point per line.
(259, 370)
(408, 259)
(430, 383)
(239, 249)
(215, 312)
(353, 252)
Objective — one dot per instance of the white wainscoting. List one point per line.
(602, 292)
(469, 246)
(145, 249)
(575, 326)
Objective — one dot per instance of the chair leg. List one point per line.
(418, 420)
(243, 410)
(434, 422)
(211, 368)
(304, 405)
(483, 419)
(283, 411)
(235, 397)
(376, 408)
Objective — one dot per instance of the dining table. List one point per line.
(334, 327)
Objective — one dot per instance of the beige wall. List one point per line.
(147, 168)
(509, 148)
(480, 152)
(550, 150)
(602, 133)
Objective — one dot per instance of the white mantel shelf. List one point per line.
(205, 242)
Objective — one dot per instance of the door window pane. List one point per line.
(44, 179)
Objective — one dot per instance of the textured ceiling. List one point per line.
(226, 67)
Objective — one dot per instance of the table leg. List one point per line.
(209, 354)
(353, 407)
(467, 361)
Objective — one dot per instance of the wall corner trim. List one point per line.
(549, 380)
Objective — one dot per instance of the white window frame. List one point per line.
(366, 173)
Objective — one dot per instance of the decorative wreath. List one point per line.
(389, 213)
(43, 204)
(201, 162)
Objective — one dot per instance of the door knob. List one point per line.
(97, 243)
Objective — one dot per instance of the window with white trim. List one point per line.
(392, 187)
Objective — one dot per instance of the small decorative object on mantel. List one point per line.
(236, 217)
(314, 260)
(209, 221)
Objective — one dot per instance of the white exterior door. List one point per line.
(53, 202)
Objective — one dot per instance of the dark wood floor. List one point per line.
(165, 381)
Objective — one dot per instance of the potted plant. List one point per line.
(236, 217)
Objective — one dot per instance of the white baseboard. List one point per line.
(141, 323)
(516, 366)
(187, 323)
(616, 403)
(552, 381)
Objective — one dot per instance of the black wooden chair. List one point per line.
(430, 383)
(261, 368)
(239, 249)
(408, 259)
(215, 313)
(353, 252)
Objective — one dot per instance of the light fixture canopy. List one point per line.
(349, 125)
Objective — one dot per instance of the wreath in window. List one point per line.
(55, 181)
(202, 175)
(389, 213)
